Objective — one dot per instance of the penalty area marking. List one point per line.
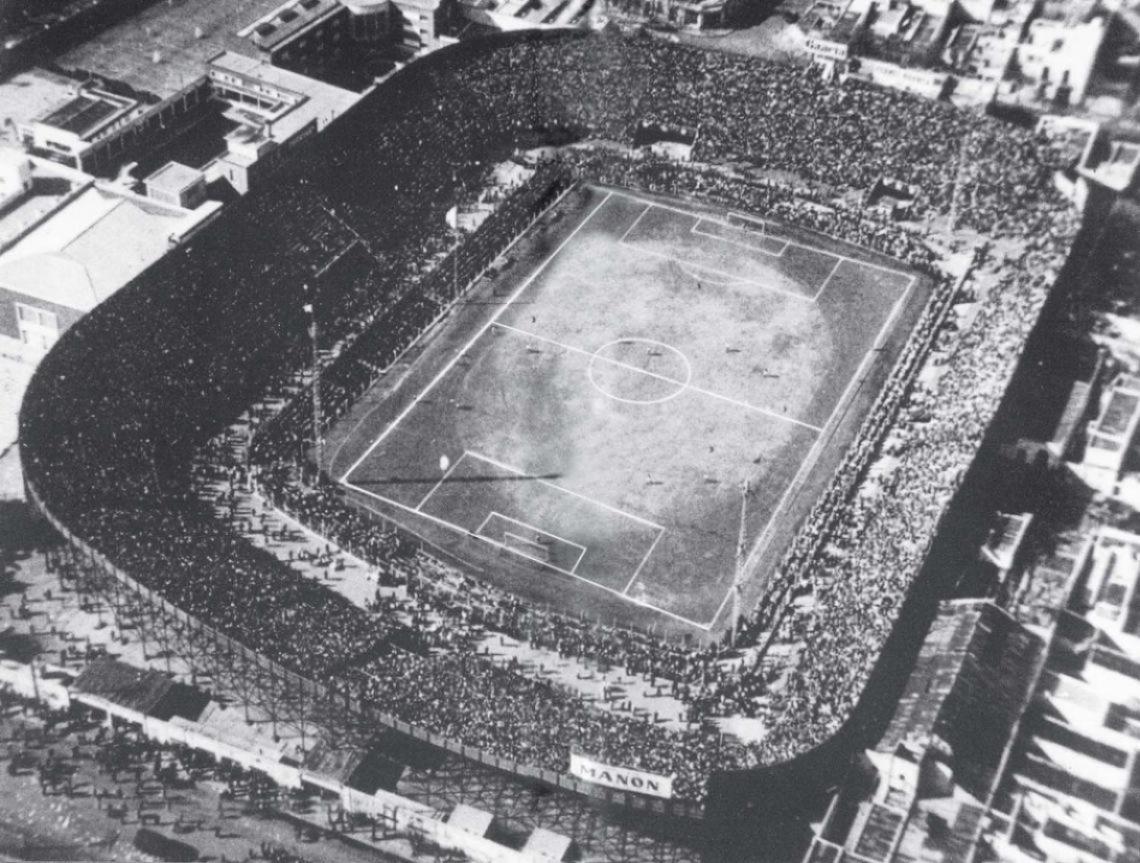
(732, 278)
(696, 229)
(621, 193)
(496, 514)
(640, 603)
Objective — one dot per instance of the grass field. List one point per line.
(602, 408)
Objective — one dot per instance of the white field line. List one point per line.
(696, 229)
(435, 487)
(791, 243)
(496, 514)
(635, 223)
(462, 530)
(475, 338)
(827, 281)
(645, 557)
(556, 487)
(666, 378)
(813, 454)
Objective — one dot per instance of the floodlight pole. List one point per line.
(318, 437)
(738, 577)
(955, 193)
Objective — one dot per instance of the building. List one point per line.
(177, 185)
(1066, 386)
(1030, 54)
(1006, 552)
(1113, 164)
(70, 121)
(1054, 62)
(1110, 435)
(923, 791)
(979, 56)
(70, 242)
(526, 14)
(269, 109)
(149, 87)
(1073, 790)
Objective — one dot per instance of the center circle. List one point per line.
(639, 371)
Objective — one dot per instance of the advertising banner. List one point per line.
(620, 778)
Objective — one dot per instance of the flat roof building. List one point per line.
(64, 252)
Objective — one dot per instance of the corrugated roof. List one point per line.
(969, 686)
(134, 688)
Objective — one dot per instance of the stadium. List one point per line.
(679, 418)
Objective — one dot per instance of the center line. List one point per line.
(665, 378)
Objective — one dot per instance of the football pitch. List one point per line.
(620, 399)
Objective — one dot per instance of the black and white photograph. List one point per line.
(570, 431)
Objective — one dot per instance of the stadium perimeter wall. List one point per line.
(759, 787)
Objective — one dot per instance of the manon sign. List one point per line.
(621, 778)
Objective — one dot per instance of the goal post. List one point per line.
(535, 549)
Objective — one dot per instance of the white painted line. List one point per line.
(744, 280)
(644, 558)
(871, 266)
(446, 474)
(684, 385)
(635, 223)
(813, 454)
(425, 333)
(827, 281)
(762, 224)
(490, 515)
(462, 530)
(621, 193)
(475, 338)
(740, 245)
(496, 514)
(564, 490)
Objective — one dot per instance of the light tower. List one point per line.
(318, 437)
(738, 576)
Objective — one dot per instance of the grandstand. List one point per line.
(111, 425)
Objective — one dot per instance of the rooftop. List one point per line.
(133, 688)
(64, 260)
(1006, 537)
(312, 99)
(165, 47)
(287, 20)
(52, 186)
(972, 679)
(174, 177)
(30, 95)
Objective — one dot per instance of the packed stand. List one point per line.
(116, 413)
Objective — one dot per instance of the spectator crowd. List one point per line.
(350, 245)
